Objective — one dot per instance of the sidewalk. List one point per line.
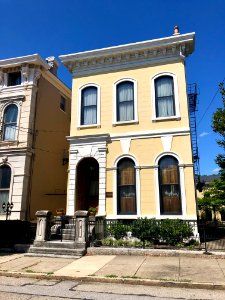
(183, 271)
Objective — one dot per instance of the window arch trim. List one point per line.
(176, 116)
(116, 83)
(98, 121)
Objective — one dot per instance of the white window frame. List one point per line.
(138, 189)
(176, 99)
(17, 124)
(135, 120)
(183, 213)
(79, 106)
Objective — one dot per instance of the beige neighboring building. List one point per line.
(35, 118)
(130, 140)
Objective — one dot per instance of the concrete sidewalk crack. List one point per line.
(139, 267)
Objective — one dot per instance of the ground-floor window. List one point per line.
(169, 185)
(5, 179)
(126, 187)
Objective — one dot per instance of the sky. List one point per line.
(55, 27)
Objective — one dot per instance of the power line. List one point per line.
(209, 104)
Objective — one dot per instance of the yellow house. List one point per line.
(35, 118)
(130, 145)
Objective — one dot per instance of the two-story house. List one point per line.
(35, 118)
(130, 144)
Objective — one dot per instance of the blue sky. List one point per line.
(62, 27)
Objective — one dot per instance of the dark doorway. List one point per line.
(87, 187)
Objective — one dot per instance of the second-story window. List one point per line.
(125, 101)
(10, 122)
(89, 106)
(164, 97)
(14, 78)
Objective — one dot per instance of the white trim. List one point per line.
(138, 189)
(188, 37)
(176, 99)
(79, 105)
(135, 120)
(151, 133)
(182, 187)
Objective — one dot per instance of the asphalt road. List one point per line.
(33, 289)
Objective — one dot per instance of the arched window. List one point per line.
(169, 185)
(125, 101)
(5, 179)
(10, 122)
(126, 187)
(89, 105)
(164, 97)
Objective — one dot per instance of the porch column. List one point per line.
(81, 228)
(71, 190)
(43, 225)
(102, 181)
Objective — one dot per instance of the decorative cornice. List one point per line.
(34, 59)
(131, 55)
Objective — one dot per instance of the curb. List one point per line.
(146, 282)
(154, 252)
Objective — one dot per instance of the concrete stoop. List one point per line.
(57, 249)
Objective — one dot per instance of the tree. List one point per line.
(215, 196)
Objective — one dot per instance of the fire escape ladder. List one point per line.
(192, 103)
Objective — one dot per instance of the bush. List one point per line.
(118, 230)
(173, 232)
(146, 230)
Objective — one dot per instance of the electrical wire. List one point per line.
(207, 108)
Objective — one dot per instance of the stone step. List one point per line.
(55, 244)
(46, 251)
(68, 230)
(70, 226)
(68, 236)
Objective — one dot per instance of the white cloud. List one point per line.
(203, 134)
(216, 170)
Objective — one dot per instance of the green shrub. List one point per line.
(118, 230)
(146, 229)
(173, 232)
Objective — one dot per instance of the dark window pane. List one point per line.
(5, 177)
(62, 104)
(14, 78)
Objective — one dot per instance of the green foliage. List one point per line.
(173, 232)
(117, 230)
(146, 229)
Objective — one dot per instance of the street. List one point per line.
(31, 288)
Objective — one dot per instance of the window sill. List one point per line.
(174, 118)
(8, 143)
(88, 126)
(125, 123)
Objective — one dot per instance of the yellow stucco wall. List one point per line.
(143, 77)
(143, 150)
(49, 175)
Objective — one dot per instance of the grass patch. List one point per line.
(29, 271)
(131, 277)
(111, 276)
(50, 273)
